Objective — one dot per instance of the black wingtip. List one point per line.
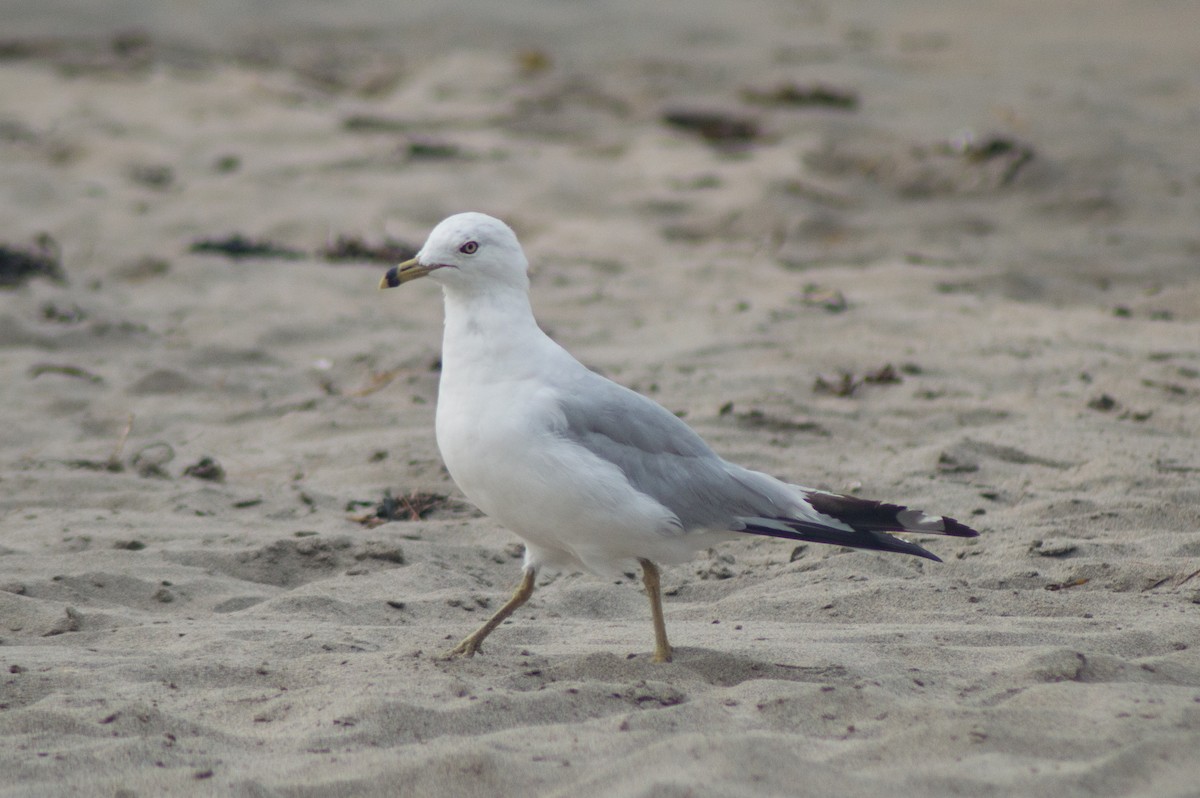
(901, 546)
(884, 517)
(957, 528)
(857, 539)
(872, 525)
(916, 551)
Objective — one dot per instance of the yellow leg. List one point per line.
(471, 643)
(662, 649)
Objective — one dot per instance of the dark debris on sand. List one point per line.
(411, 507)
(718, 128)
(846, 383)
(207, 469)
(20, 264)
(352, 248)
(795, 95)
(343, 249)
(755, 418)
(239, 247)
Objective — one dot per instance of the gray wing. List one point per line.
(664, 458)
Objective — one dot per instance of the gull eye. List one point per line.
(469, 248)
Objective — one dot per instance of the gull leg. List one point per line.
(662, 649)
(471, 643)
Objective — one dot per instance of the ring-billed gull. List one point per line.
(588, 473)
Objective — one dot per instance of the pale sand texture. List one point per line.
(168, 635)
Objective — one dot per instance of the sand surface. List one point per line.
(1001, 204)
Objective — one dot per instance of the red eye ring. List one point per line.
(469, 248)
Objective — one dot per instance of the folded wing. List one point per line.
(665, 459)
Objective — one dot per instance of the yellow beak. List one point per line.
(405, 272)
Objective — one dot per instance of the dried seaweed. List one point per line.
(239, 247)
(20, 264)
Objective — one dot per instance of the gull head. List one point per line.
(468, 252)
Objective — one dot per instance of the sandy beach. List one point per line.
(918, 252)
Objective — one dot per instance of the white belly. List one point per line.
(501, 449)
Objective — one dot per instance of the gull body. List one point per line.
(588, 473)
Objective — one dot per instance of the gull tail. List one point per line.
(858, 523)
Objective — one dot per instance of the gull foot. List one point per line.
(469, 647)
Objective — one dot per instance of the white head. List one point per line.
(468, 253)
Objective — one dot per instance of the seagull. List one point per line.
(590, 474)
